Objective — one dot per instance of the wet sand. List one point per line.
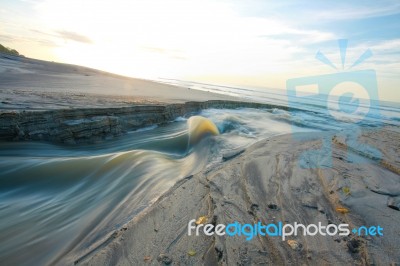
(265, 183)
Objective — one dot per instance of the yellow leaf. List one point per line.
(191, 253)
(146, 258)
(293, 244)
(201, 220)
(342, 210)
(346, 190)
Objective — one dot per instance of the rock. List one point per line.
(273, 206)
(191, 253)
(253, 209)
(320, 208)
(76, 126)
(294, 244)
(164, 258)
(394, 203)
(219, 252)
(309, 203)
(353, 245)
(232, 154)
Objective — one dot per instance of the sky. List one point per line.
(238, 43)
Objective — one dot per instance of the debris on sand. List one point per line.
(191, 253)
(294, 244)
(201, 220)
(342, 210)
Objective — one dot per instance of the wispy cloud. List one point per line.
(73, 36)
(358, 12)
(27, 39)
(388, 45)
(67, 35)
(7, 38)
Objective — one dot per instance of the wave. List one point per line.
(199, 127)
(74, 201)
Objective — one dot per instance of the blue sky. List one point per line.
(241, 43)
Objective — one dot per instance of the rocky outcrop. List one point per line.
(73, 126)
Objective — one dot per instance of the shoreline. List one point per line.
(263, 183)
(72, 126)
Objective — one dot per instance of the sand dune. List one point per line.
(40, 85)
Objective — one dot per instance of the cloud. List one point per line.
(358, 12)
(7, 38)
(302, 36)
(73, 36)
(27, 39)
(387, 45)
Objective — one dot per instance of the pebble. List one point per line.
(191, 253)
(293, 244)
(273, 206)
(164, 258)
(353, 245)
(393, 203)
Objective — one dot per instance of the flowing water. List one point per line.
(58, 200)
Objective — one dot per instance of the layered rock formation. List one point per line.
(95, 124)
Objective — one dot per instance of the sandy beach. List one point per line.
(29, 84)
(107, 167)
(266, 184)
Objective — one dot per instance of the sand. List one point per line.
(265, 183)
(29, 84)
